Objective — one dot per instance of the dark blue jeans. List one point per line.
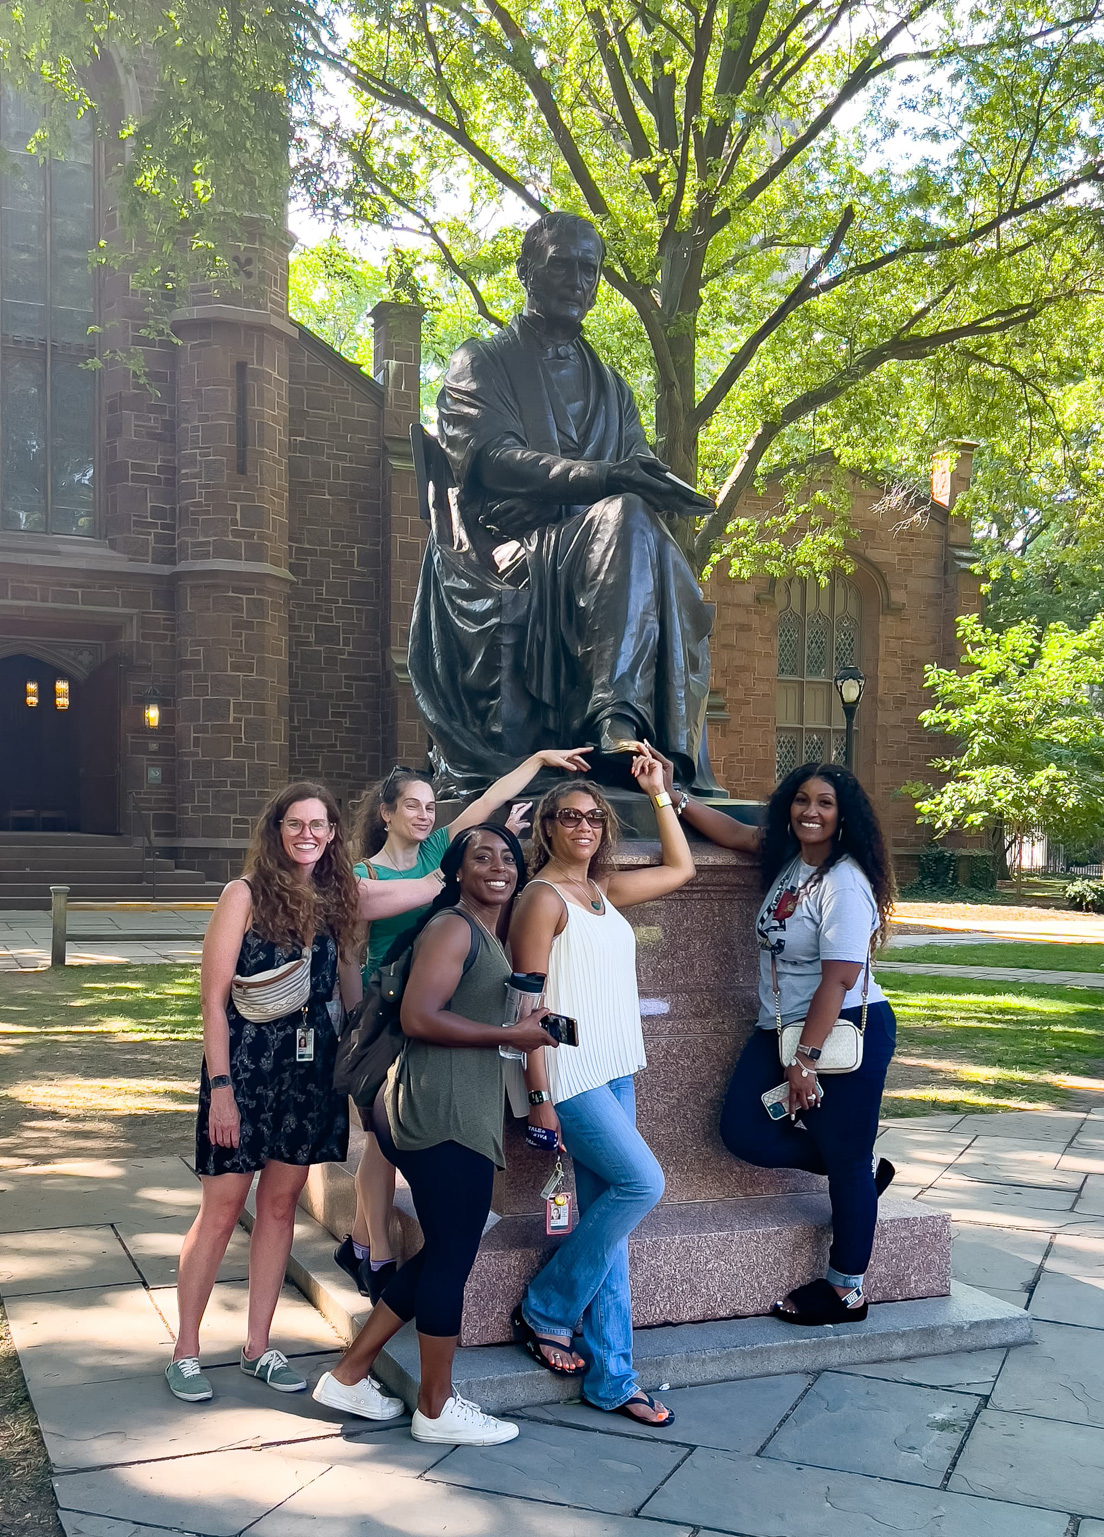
(838, 1137)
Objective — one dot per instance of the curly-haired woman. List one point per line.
(828, 888)
(266, 1096)
(568, 924)
(393, 836)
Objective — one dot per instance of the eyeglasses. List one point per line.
(400, 768)
(571, 816)
(318, 828)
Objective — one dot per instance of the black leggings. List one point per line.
(451, 1186)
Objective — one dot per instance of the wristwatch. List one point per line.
(539, 1096)
(221, 1081)
(812, 1052)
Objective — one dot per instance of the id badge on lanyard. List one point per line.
(559, 1208)
(304, 1044)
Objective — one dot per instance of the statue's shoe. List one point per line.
(617, 739)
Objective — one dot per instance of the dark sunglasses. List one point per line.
(571, 816)
(400, 768)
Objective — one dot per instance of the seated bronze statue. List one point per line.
(554, 605)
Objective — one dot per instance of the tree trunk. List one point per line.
(676, 444)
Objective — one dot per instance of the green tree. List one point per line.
(1028, 722)
(808, 204)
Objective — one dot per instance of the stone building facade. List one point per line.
(207, 568)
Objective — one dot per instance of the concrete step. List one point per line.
(502, 1377)
(126, 858)
(64, 840)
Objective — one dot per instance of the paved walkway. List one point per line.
(989, 1444)
(165, 934)
(996, 973)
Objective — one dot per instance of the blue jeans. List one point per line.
(837, 1139)
(617, 1181)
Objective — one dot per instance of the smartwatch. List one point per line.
(812, 1052)
(539, 1096)
(661, 800)
(221, 1081)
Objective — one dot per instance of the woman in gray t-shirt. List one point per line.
(828, 888)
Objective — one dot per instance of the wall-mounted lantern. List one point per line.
(31, 695)
(151, 708)
(61, 693)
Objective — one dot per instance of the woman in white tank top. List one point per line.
(567, 924)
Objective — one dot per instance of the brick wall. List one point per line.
(913, 584)
(337, 644)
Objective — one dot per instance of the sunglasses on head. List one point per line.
(571, 816)
(399, 769)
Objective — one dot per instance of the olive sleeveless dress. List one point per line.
(289, 1110)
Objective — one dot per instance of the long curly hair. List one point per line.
(369, 831)
(449, 894)
(289, 911)
(858, 833)
(601, 862)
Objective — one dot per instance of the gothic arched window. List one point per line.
(47, 398)
(819, 631)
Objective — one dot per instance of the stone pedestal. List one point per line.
(727, 1239)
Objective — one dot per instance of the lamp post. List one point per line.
(850, 683)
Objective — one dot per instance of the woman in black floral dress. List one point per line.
(266, 1096)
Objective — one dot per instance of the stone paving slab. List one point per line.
(614, 1474)
(731, 1416)
(1025, 1125)
(297, 1328)
(92, 1336)
(1083, 1158)
(1092, 1197)
(755, 1497)
(338, 1506)
(74, 1524)
(997, 1258)
(1077, 1254)
(224, 1492)
(1060, 1376)
(973, 1371)
(1024, 1169)
(88, 1192)
(154, 1246)
(136, 1419)
(65, 1259)
(1004, 1206)
(1069, 1300)
(1034, 1461)
(884, 1429)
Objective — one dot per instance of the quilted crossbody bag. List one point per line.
(842, 1052)
(269, 995)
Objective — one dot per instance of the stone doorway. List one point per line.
(59, 747)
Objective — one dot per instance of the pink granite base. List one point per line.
(727, 1239)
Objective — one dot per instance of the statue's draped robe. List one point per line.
(559, 605)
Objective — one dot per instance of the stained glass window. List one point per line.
(47, 398)
(819, 631)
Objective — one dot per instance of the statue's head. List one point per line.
(559, 267)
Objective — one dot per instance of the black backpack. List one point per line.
(371, 1034)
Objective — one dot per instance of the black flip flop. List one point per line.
(531, 1342)
(641, 1397)
(819, 1303)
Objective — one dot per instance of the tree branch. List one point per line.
(802, 291)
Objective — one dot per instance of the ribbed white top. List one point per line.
(592, 978)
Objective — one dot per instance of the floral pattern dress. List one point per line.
(289, 1110)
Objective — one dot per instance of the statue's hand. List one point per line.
(645, 476)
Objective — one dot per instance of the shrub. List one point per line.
(937, 868)
(981, 872)
(1086, 895)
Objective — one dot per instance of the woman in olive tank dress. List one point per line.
(439, 1117)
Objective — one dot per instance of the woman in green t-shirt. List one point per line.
(394, 837)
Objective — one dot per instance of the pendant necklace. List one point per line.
(595, 902)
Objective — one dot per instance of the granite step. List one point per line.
(502, 1377)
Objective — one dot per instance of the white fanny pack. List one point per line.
(269, 995)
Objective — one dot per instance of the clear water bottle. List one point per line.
(524, 992)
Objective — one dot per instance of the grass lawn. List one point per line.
(968, 1045)
(1028, 955)
(98, 1060)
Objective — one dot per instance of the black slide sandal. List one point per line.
(531, 1342)
(819, 1303)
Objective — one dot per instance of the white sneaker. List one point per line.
(462, 1423)
(365, 1398)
